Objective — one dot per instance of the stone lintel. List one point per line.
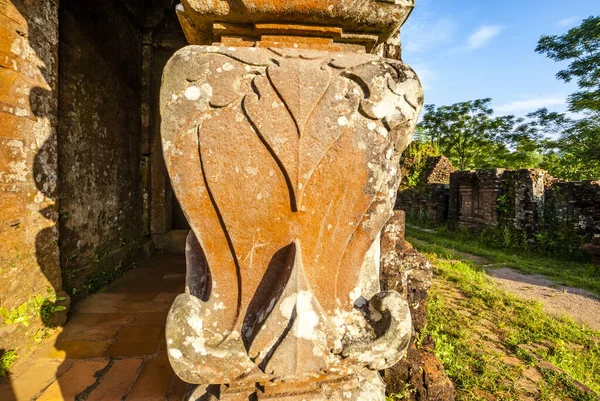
(368, 22)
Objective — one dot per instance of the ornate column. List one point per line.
(282, 141)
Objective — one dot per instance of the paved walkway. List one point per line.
(113, 346)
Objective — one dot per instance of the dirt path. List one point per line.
(581, 305)
(485, 337)
(557, 300)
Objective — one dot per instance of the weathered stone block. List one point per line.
(285, 163)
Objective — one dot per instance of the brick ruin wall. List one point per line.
(80, 127)
(577, 204)
(429, 202)
(29, 254)
(99, 137)
(525, 199)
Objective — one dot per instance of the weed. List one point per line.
(7, 360)
(38, 306)
(404, 394)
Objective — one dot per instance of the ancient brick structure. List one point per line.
(575, 203)
(473, 195)
(282, 142)
(480, 198)
(76, 177)
(428, 202)
(30, 270)
(528, 200)
(426, 199)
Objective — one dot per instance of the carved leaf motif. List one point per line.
(276, 128)
(298, 87)
(301, 85)
(328, 136)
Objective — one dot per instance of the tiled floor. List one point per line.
(113, 346)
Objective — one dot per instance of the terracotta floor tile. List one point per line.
(153, 382)
(151, 319)
(94, 332)
(74, 381)
(125, 321)
(90, 319)
(39, 375)
(142, 296)
(76, 349)
(100, 303)
(166, 297)
(140, 333)
(131, 349)
(33, 380)
(117, 380)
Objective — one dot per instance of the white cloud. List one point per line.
(483, 35)
(532, 104)
(426, 75)
(422, 34)
(568, 21)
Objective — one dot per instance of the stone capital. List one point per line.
(345, 22)
(284, 157)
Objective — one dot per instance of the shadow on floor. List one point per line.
(113, 346)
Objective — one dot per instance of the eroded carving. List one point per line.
(285, 163)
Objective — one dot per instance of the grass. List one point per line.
(446, 243)
(492, 344)
(7, 360)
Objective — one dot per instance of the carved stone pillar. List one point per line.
(282, 142)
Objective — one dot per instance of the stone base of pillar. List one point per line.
(365, 386)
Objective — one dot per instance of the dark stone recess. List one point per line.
(98, 136)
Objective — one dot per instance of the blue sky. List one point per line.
(470, 49)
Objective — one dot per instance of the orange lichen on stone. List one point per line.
(286, 222)
(28, 163)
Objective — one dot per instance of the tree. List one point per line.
(577, 151)
(580, 46)
(467, 132)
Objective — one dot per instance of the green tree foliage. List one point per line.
(576, 154)
(472, 136)
(462, 131)
(581, 47)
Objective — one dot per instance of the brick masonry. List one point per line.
(99, 137)
(75, 169)
(29, 250)
(525, 199)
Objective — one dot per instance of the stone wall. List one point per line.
(577, 204)
(99, 136)
(429, 202)
(30, 272)
(473, 196)
(167, 224)
(513, 197)
(528, 200)
(428, 198)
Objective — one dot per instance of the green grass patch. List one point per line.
(38, 306)
(477, 326)
(7, 360)
(446, 243)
